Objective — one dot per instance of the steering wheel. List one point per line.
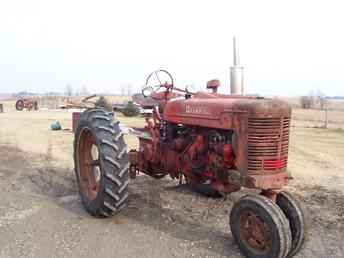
(158, 83)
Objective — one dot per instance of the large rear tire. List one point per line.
(294, 213)
(101, 163)
(260, 228)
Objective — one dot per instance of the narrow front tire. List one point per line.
(260, 228)
(294, 213)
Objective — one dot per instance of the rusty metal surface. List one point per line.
(268, 141)
(252, 138)
(88, 161)
(213, 85)
(267, 181)
(260, 142)
(261, 126)
(216, 111)
(254, 232)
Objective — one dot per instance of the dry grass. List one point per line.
(316, 118)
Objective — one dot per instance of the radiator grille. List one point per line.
(268, 142)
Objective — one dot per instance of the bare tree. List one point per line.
(306, 102)
(122, 90)
(84, 91)
(129, 88)
(316, 98)
(323, 103)
(313, 99)
(68, 90)
(321, 99)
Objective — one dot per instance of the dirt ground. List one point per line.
(41, 214)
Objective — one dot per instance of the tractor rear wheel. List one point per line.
(20, 105)
(293, 211)
(260, 228)
(101, 163)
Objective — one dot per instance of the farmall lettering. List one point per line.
(197, 110)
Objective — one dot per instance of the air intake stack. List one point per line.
(237, 73)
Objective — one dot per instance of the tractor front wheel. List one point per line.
(294, 213)
(101, 163)
(260, 228)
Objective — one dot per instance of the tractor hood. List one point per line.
(218, 111)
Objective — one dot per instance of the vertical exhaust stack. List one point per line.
(237, 73)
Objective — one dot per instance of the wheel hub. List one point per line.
(254, 232)
(89, 165)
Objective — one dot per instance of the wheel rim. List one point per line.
(88, 164)
(255, 233)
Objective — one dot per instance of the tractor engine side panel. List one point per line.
(258, 145)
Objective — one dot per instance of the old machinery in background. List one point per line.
(29, 104)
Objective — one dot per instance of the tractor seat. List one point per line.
(145, 102)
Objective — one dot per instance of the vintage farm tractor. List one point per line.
(210, 140)
(29, 104)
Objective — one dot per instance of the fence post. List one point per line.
(326, 114)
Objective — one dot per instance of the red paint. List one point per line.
(274, 164)
(208, 136)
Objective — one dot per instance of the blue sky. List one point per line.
(287, 47)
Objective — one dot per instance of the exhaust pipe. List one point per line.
(237, 73)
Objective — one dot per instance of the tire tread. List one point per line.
(113, 194)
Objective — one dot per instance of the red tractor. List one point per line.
(212, 141)
(29, 104)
